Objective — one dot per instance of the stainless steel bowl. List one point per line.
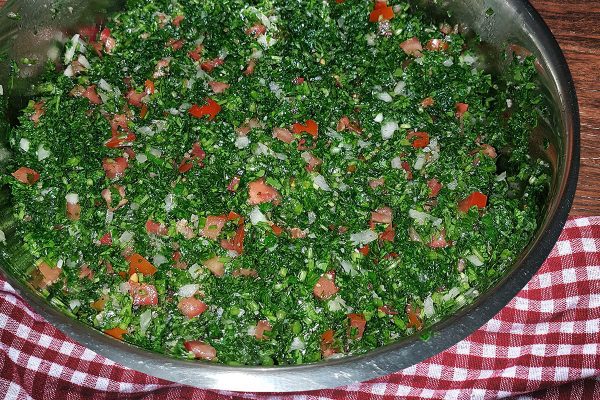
(499, 23)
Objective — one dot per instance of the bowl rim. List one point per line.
(384, 360)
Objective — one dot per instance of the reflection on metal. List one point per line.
(42, 23)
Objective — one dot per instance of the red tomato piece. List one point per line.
(387, 310)
(434, 187)
(389, 234)
(406, 166)
(191, 307)
(439, 240)
(421, 139)
(297, 233)
(488, 150)
(437, 45)
(364, 250)
(357, 325)
(413, 318)
(245, 272)
(256, 30)
(210, 109)
(262, 327)
(137, 263)
(175, 44)
(381, 12)
(143, 294)
(200, 349)
(106, 239)
(26, 175)
(91, 94)
(86, 272)
(427, 102)
(460, 109)
(38, 111)
(196, 54)
(298, 80)
(325, 286)
(327, 343)
(114, 168)
(214, 225)
(283, 134)
(277, 230)
(412, 47)
(310, 127)
(73, 211)
(107, 196)
(218, 87)
(149, 87)
(210, 65)
(260, 192)
(215, 265)
(237, 242)
(382, 215)
(474, 199)
(134, 98)
(250, 67)
(116, 332)
(311, 160)
(234, 184)
(177, 20)
(156, 228)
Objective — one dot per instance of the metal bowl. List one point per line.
(36, 24)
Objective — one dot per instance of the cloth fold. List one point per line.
(543, 345)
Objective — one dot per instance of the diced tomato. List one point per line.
(262, 327)
(277, 230)
(107, 196)
(412, 47)
(387, 310)
(474, 199)
(364, 250)
(191, 307)
(210, 109)
(214, 225)
(421, 139)
(298, 80)
(116, 332)
(325, 286)
(215, 265)
(310, 127)
(109, 45)
(105, 34)
(488, 150)
(245, 272)
(134, 98)
(196, 54)
(218, 87)
(182, 227)
(143, 294)
(327, 341)
(106, 239)
(149, 87)
(86, 272)
(382, 215)
(91, 94)
(123, 141)
(375, 183)
(234, 184)
(311, 160)
(427, 102)
(297, 233)
(99, 304)
(250, 67)
(195, 156)
(137, 263)
(89, 32)
(26, 175)
(345, 124)
(162, 67)
(381, 11)
(434, 187)
(460, 109)
(439, 241)
(73, 211)
(210, 65)
(256, 30)
(437, 45)
(260, 192)
(413, 318)
(283, 134)
(175, 44)
(38, 111)
(156, 228)
(357, 325)
(237, 242)
(200, 349)
(114, 168)
(389, 234)
(177, 20)
(406, 166)
(47, 275)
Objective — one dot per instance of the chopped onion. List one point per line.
(188, 290)
(428, 307)
(297, 344)
(145, 319)
(473, 259)
(1, 91)
(388, 129)
(320, 182)
(419, 216)
(2, 236)
(420, 162)
(73, 304)
(378, 118)
(71, 49)
(72, 198)
(42, 153)
(257, 216)
(452, 293)
(501, 177)
(141, 158)
(83, 61)
(155, 152)
(69, 71)
(126, 237)
(102, 84)
(241, 142)
(312, 217)
(109, 217)
(452, 185)
(196, 270)
(385, 97)
(448, 63)
(336, 304)
(363, 237)
(159, 259)
(169, 202)
(370, 39)
(468, 59)
(396, 163)
(251, 330)
(399, 89)
(24, 144)
(124, 287)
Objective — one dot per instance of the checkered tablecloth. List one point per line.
(544, 344)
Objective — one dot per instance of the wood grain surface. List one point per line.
(576, 26)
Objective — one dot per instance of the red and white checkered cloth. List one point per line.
(544, 344)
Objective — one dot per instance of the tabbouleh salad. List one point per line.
(272, 181)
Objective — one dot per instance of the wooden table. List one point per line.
(576, 25)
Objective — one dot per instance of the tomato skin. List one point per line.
(427, 102)
(439, 241)
(277, 230)
(91, 94)
(256, 30)
(114, 168)
(191, 307)
(325, 286)
(143, 294)
(210, 65)
(149, 87)
(134, 98)
(26, 175)
(218, 87)
(283, 134)
(434, 187)
(382, 215)
(387, 310)
(437, 45)
(413, 318)
(381, 12)
(262, 327)
(106, 239)
(364, 250)
(177, 20)
(156, 228)
(359, 322)
(421, 139)
(327, 341)
(210, 109)
(234, 184)
(196, 54)
(237, 242)
(389, 234)
(460, 109)
(310, 127)
(474, 199)
(73, 211)
(200, 349)
(412, 47)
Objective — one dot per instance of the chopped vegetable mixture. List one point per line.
(272, 181)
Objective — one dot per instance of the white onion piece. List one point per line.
(257, 216)
(473, 259)
(399, 89)
(312, 217)
(188, 290)
(320, 182)
(396, 163)
(169, 202)
(451, 294)
(102, 84)
(159, 259)
(363, 237)
(388, 129)
(420, 162)
(42, 153)
(385, 97)
(83, 61)
(72, 198)
(73, 304)
(2, 236)
(336, 304)
(145, 319)
(241, 142)
(419, 216)
(195, 270)
(297, 344)
(24, 144)
(428, 307)
(378, 118)
(141, 158)
(126, 237)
